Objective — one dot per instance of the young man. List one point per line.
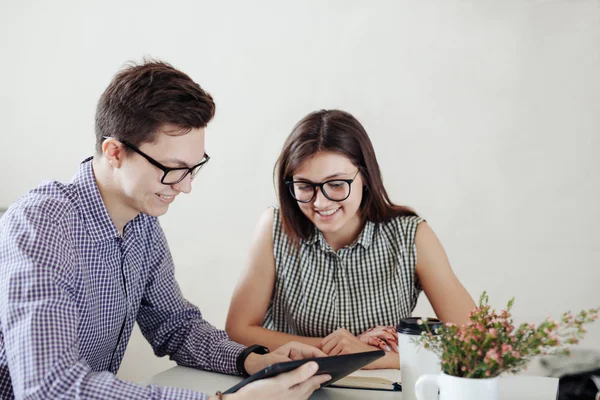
(81, 262)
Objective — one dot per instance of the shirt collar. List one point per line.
(365, 238)
(98, 222)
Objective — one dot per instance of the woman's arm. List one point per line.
(448, 297)
(253, 293)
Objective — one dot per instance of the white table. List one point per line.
(511, 387)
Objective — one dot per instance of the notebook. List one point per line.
(377, 379)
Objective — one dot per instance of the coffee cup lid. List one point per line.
(411, 326)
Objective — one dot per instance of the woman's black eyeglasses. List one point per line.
(334, 190)
(171, 176)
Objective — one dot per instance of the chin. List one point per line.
(155, 211)
(328, 227)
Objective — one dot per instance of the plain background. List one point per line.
(484, 116)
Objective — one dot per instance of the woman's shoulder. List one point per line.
(268, 218)
(404, 226)
(405, 221)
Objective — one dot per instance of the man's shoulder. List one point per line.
(51, 201)
(34, 232)
(55, 198)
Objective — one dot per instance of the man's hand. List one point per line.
(288, 352)
(343, 342)
(294, 385)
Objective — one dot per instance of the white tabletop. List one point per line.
(511, 387)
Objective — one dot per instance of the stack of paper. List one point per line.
(378, 379)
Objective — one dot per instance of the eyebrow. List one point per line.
(176, 161)
(180, 163)
(336, 175)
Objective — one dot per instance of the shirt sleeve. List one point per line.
(39, 320)
(175, 327)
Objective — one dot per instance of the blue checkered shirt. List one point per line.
(71, 288)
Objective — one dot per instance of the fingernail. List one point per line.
(388, 348)
(313, 367)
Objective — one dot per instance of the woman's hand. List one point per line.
(298, 384)
(383, 337)
(343, 342)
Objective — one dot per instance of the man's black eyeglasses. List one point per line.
(171, 176)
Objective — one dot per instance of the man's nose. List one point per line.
(185, 185)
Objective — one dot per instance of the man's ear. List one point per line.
(113, 151)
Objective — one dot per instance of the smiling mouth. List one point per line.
(164, 197)
(327, 213)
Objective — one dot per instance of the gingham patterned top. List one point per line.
(370, 282)
(71, 289)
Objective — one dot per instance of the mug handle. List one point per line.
(424, 380)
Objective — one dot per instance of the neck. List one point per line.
(120, 213)
(345, 236)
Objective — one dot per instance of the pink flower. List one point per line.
(487, 373)
(463, 368)
(492, 355)
(506, 348)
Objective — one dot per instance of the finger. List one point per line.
(305, 351)
(365, 339)
(299, 351)
(337, 349)
(329, 346)
(328, 338)
(391, 330)
(373, 341)
(299, 375)
(389, 337)
(305, 389)
(391, 345)
(345, 332)
(278, 358)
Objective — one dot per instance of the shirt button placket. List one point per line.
(342, 290)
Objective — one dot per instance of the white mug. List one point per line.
(415, 360)
(455, 388)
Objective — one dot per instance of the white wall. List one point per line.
(484, 115)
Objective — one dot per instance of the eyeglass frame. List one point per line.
(164, 169)
(320, 185)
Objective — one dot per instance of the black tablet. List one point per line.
(336, 366)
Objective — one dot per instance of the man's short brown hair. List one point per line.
(142, 98)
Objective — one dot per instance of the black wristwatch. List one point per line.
(255, 348)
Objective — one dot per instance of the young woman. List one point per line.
(337, 264)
